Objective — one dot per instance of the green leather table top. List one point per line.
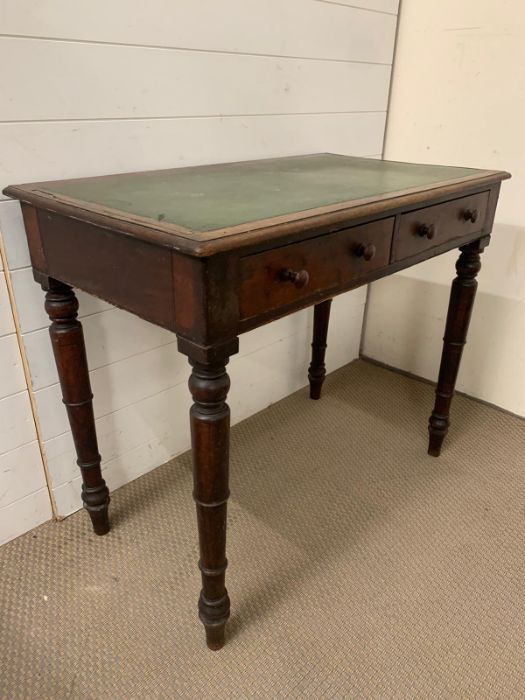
(207, 198)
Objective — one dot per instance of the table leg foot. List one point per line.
(213, 615)
(215, 637)
(317, 369)
(99, 515)
(460, 307)
(438, 427)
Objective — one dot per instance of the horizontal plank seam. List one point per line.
(75, 120)
(7, 334)
(120, 408)
(241, 355)
(114, 362)
(23, 498)
(357, 7)
(27, 376)
(187, 49)
(107, 464)
(14, 449)
(15, 393)
(19, 498)
(80, 318)
(165, 389)
(40, 329)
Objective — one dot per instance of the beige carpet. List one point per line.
(359, 567)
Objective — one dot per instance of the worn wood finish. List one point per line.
(423, 228)
(206, 299)
(295, 272)
(70, 355)
(317, 369)
(96, 260)
(273, 314)
(460, 307)
(210, 427)
(268, 238)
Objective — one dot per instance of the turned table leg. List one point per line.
(210, 434)
(458, 318)
(317, 369)
(67, 339)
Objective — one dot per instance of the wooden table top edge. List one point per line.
(215, 241)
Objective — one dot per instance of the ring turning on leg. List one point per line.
(70, 356)
(317, 369)
(210, 428)
(460, 306)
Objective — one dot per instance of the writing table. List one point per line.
(210, 252)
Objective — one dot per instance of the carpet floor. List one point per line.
(359, 566)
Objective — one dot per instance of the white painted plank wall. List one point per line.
(96, 87)
(33, 151)
(472, 116)
(182, 83)
(24, 497)
(383, 6)
(296, 28)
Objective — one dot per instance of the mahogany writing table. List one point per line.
(211, 252)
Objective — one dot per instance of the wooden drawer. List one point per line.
(429, 227)
(292, 273)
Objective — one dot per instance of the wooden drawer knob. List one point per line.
(471, 215)
(426, 231)
(367, 252)
(298, 279)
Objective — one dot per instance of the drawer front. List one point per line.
(429, 227)
(292, 273)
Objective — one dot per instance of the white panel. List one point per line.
(21, 473)
(118, 472)
(502, 263)
(82, 81)
(40, 358)
(110, 336)
(12, 378)
(388, 6)
(344, 331)
(160, 421)
(266, 376)
(475, 53)
(263, 377)
(13, 234)
(23, 515)
(114, 335)
(29, 151)
(16, 422)
(116, 386)
(405, 324)
(6, 315)
(30, 298)
(275, 332)
(310, 29)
